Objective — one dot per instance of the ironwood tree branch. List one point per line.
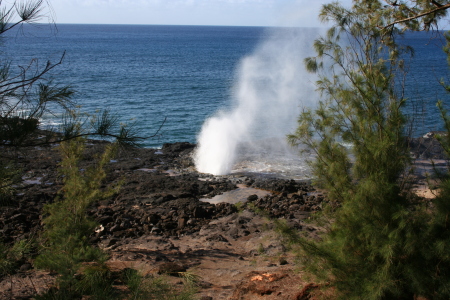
(442, 7)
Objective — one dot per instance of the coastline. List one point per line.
(160, 218)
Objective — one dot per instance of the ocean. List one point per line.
(142, 73)
(188, 74)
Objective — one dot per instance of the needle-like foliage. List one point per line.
(67, 227)
(382, 244)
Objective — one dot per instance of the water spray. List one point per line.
(271, 87)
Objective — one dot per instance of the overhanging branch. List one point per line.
(443, 7)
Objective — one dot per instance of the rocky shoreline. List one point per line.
(161, 219)
(162, 200)
(160, 193)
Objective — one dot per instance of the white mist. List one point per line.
(271, 87)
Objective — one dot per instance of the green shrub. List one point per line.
(65, 240)
(382, 243)
(12, 256)
(9, 176)
(158, 288)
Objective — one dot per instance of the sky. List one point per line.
(191, 12)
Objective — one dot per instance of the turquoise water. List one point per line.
(182, 73)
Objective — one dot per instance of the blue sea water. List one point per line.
(143, 73)
(422, 85)
(182, 73)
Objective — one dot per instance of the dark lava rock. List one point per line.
(180, 153)
(427, 147)
(177, 148)
(252, 198)
(150, 201)
(281, 185)
(288, 206)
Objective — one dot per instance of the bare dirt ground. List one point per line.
(253, 266)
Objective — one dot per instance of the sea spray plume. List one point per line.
(271, 86)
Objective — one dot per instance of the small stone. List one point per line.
(155, 230)
(110, 242)
(217, 238)
(171, 268)
(114, 228)
(205, 284)
(25, 267)
(182, 223)
(252, 198)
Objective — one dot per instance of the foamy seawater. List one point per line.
(289, 168)
(273, 157)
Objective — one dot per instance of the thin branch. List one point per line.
(435, 3)
(6, 186)
(392, 3)
(11, 86)
(443, 7)
(157, 131)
